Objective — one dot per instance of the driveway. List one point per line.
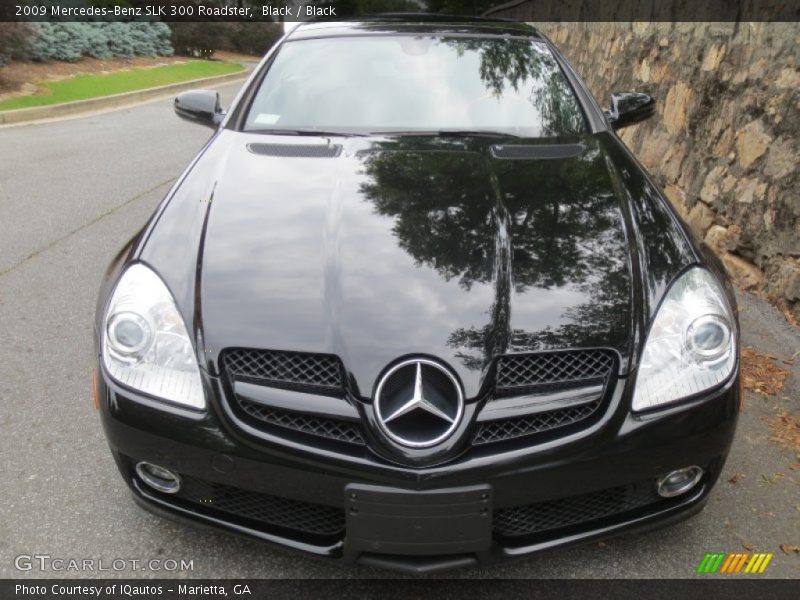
(71, 193)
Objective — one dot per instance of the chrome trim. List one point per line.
(154, 483)
(382, 419)
(531, 404)
(688, 485)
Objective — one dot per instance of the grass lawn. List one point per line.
(82, 87)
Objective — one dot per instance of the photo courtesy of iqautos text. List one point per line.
(399, 299)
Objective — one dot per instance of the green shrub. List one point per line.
(70, 41)
(121, 39)
(143, 40)
(97, 41)
(162, 38)
(59, 41)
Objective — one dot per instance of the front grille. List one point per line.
(519, 372)
(555, 514)
(319, 373)
(294, 515)
(334, 429)
(508, 429)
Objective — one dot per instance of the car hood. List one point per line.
(378, 249)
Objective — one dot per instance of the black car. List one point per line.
(416, 305)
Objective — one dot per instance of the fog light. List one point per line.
(678, 482)
(159, 478)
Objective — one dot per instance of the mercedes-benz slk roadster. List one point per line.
(415, 305)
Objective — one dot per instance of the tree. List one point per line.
(15, 39)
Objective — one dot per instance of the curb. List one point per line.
(37, 113)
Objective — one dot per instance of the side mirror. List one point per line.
(200, 106)
(628, 108)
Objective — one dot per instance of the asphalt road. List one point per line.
(71, 193)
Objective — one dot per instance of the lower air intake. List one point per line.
(555, 514)
(274, 511)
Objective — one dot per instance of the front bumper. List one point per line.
(569, 490)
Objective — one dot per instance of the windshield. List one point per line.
(405, 83)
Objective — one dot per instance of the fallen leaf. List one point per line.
(736, 477)
(601, 544)
(761, 374)
(788, 549)
(786, 430)
(748, 547)
(772, 479)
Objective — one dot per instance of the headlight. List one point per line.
(691, 346)
(145, 344)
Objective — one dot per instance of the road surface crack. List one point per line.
(97, 219)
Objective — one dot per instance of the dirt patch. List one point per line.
(786, 431)
(760, 372)
(20, 78)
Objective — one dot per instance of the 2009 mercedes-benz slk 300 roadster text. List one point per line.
(415, 305)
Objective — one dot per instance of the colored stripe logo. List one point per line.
(740, 562)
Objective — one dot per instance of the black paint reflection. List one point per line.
(519, 226)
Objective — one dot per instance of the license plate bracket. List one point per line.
(395, 521)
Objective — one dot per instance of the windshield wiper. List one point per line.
(475, 133)
(450, 133)
(308, 132)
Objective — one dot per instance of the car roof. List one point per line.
(412, 23)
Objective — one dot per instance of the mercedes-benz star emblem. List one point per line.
(418, 403)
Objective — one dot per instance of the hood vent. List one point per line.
(296, 150)
(536, 152)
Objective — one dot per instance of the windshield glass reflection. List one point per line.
(416, 83)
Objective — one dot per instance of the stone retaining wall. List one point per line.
(725, 142)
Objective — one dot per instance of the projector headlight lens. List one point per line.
(129, 333)
(708, 337)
